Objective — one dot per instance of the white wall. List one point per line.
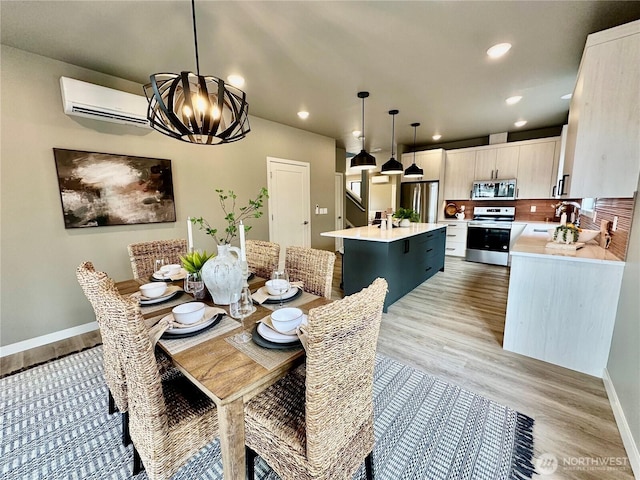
(39, 291)
(624, 357)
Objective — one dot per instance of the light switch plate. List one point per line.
(533, 208)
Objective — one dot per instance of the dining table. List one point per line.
(227, 372)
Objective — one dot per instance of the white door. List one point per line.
(289, 202)
(339, 208)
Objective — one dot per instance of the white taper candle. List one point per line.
(189, 235)
(243, 247)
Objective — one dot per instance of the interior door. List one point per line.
(289, 202)
(339, 208)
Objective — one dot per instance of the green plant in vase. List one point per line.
(193, 262)
(406, 215)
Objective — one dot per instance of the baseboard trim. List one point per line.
(46, 339)
(625, 432)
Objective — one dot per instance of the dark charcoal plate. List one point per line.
(172, 336)
(263, 342)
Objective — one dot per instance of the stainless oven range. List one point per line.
(489, 234)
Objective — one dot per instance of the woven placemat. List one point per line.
(180, 344)
(179, 299)
(269, 359)
(301, 300)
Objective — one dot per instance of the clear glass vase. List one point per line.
(222, 274)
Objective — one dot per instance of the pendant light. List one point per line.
(363, 160)
(414, 171)
(393, 166)
(195, 108)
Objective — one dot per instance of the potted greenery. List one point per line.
(406, 216)
(222, 274)
(193, 261)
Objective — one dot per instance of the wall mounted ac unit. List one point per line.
(380, 179)
(101, 103)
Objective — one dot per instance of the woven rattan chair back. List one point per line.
(94, 284)
(143, 255)
(341, 348)
(312, 267)
(262, 257)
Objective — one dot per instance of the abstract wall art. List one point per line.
(100, 189)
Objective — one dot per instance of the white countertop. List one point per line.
(533, 243)
(374, 234)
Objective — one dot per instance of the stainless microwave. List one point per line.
(494, 190)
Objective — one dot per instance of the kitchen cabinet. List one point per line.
(537, 167)
(431, 161)
(602, 157)
(496, 163)
(405, 257)
(459, 174)
(456, 238)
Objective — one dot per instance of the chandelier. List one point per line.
(196, 108)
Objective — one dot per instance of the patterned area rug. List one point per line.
(55, 425)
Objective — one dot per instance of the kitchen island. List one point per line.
(562, 304)
(404, 256)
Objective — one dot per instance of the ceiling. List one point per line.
(425, 58)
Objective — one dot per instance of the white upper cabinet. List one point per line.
(459, 174)
(431, 161)
(496, 163)
(537, 167)
(602, 157)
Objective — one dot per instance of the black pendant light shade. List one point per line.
(363, 160)
(195, 108)
(392, 166)
(414, 171)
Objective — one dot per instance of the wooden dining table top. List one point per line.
(228, 376)
(218, 368)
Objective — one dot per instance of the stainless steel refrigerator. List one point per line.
(422, 197)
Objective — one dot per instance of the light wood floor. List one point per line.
(452, 327)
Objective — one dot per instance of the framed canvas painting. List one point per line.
(99, 189)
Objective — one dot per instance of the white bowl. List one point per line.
(277, 287)
(286, 319)
(170, 270)
(188, 313)
(153, 289)
(587, 235)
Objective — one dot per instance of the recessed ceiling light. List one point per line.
(499, 50)
(303, 115)
(437, 137)
(356, 133)
(520, 123)
(566, 96)
(376, 149)
(513, 100)
(236, 80)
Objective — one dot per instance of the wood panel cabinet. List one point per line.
(602, 157)
(537, 167)
(496, 163)
(459, 174)
(431, 161)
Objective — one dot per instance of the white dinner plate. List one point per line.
(208, 318)
(171, 292)
(180, 276)
(273, 336)
(288, 294)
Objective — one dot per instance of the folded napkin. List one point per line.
(261, 294)
(300, 330)
(168, 321)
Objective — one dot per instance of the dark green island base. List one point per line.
(405, 263)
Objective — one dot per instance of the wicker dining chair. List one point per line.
(143, 255)
(312, 267)
(169, 418)
(323, 429)
(262, 257)
(93, 284)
